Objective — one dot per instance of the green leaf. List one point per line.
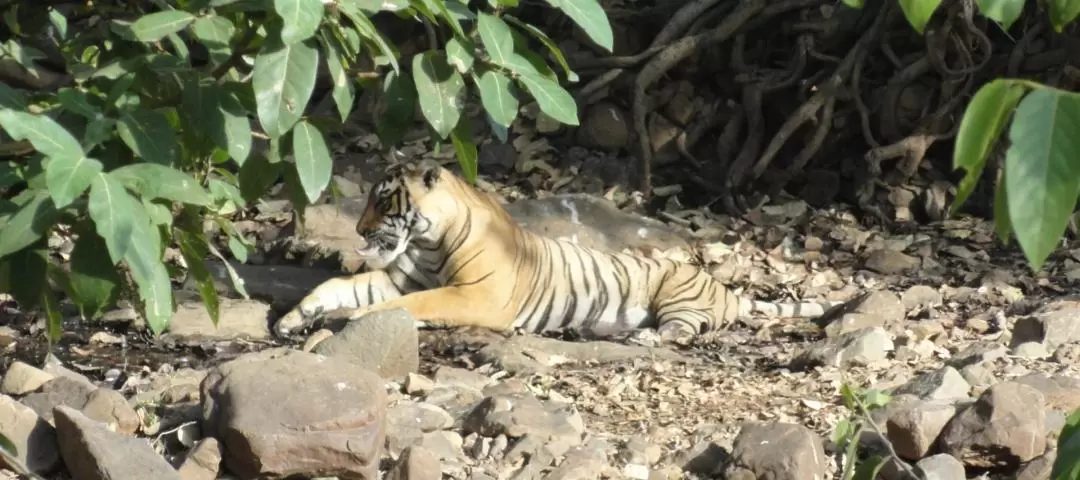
(69, 177)
(550, 44)
(215, 32)
(497, 97)
(1004, 12)
(1042, 176)
(868, 469)
(151, 181)
(98, 131)
(256, 176)
(30, 267)
(344, 92)
(439, 89)
(367, 29)
(28, 224)
(397, 107)
(496, 36)
(440, 7)
(94, 281)
(149, 273)
(462, 137)
(238, 248)
(552, 98)
(313, 162)
(1062, 12)
(47, 136)
(980, 127)
(159, 214)
(9, 174)
(283, 79)
(1066, 467)
(301, 19)
(235, 132)
(1002, 224)
(194, 249)
(149, 134)
(6, 445)
(77, 101)
(227, 197)
(158, 25)
(11, 98)
(54, 318)
(588, 15)
(110, 206)
(458, 55)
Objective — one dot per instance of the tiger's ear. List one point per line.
(430, 175)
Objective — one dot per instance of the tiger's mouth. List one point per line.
(376, 247)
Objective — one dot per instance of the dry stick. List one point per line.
(755, 130)
(826, 91)
(887, 121)
(811, 148)
(856, 94)
(1016, 57)
(664, 61)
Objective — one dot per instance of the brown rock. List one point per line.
(34, 439)
(260, 407)
(416, 463)
(1004, 427)
(97, 453)
(778, 451)
(203, 461)
(110, 407)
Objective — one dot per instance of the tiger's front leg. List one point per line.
(454, 306)
(356, 291)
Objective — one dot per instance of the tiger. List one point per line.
(451, 256)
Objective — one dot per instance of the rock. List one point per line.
(779, 451)
(34, 439)
(1039, 468)
(203, 461)
(21, 379)
(266, 427)
(283, 286)
(913, 424)
(978, 376)
(1031, 350)
(446, 376)
(384, 341)
(1067, 354)
(941, 467)
(850, 322)
(8, 336)
(861, 347)
(978, 353)
(111, 408)
(942, 384)
(521, 354)
(1004, 427)
(604, 125)
(919, 297)
(240, 319)
(557, 427)
(407, 422)
(95, 452)
(880, 303)
(1061, 392)
(890, 262)
(418, 384)
(589, 461)
(1050, 328)
(62, 390)
(56, 368)
(416, 463)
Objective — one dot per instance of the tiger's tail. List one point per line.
(748, 307)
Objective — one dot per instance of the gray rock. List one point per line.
(942, 384)
(1050, 328)
(240, 319)
(1004, 427)
(384, 341)
(941, 467)
(97, 453)
(860, 347)
(913, 425)
(417, 463)
(34, 439)
(779, 451)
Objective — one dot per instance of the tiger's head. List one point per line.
(399, 209)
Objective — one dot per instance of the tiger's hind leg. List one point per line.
(350, 292)
(691, 302)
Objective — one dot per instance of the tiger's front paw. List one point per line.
(294, 321)
(678, 333)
